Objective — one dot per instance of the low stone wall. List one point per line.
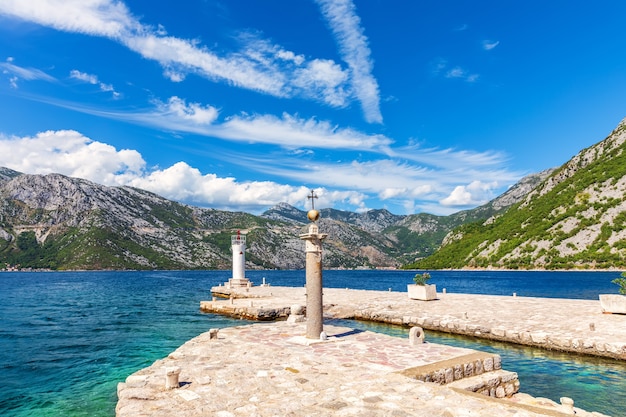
(249, 312)
(573, 326)
(541, 339)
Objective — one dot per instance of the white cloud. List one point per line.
(16, 73)
(260, 66)
(325, 79)
(489, 45)
(184, 183)
(349, 184)
(109, 18)
(88, 78)
(293, 131)
(289, 131)
(456, 72)
(353, 44)
(70, 153)
(93, 79)
(473, 194)
(439, 66)
(194, 112)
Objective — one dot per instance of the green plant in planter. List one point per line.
(621, 282)
(421, 279)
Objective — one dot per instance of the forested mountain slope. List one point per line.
(576, 218)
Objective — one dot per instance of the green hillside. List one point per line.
(575, 219)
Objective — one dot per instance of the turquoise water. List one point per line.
(595, 384)
(68, 338)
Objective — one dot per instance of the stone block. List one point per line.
(498, 331)
(539, 338)
(478, 367)
(416, 336)
(488, 364)
(468, 370)
(458, 372)
(512, 335)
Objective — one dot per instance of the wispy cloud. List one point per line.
(260, 65)
(93, 79)
(445, 180)
(489, 45)
(440, 66)
(456, 72)
(353, 44)
(288, 131)
(350, 183)
(16, 73)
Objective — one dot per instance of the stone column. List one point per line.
(314, 283)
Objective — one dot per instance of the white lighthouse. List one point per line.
(238, 247)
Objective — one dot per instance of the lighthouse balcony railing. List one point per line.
(238, 240)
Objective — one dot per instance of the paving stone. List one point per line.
(265, 370)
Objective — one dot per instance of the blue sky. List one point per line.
(414, 106)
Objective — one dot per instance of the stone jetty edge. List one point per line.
(587, 338)
(212, 366)
(265, 370)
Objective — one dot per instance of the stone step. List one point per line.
(477, 372)
(499, 384)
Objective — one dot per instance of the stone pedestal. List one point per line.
(613, 303)
(425, 292)
(314, 284)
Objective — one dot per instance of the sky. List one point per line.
(408, 105)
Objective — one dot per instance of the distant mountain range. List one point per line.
(53, 221)
(570, 217)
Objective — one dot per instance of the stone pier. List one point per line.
(272, 369)
(576, 326)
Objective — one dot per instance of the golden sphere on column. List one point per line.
(313, 215)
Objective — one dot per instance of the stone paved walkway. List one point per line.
(269, 369)
(555, 324)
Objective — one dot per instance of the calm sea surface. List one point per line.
(68, 338)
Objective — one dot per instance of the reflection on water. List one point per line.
(595, 384)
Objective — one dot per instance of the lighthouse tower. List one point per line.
(238, 246)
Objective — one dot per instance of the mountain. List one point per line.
(58, 222)
(575, 218)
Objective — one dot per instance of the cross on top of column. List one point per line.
(312, 197)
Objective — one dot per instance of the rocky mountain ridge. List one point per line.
(53, 221)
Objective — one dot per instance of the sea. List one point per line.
(68, 338)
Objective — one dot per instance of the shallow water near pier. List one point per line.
(68, 338)
(595, 384)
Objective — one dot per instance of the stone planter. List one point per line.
(613, 303)
(422, 292)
